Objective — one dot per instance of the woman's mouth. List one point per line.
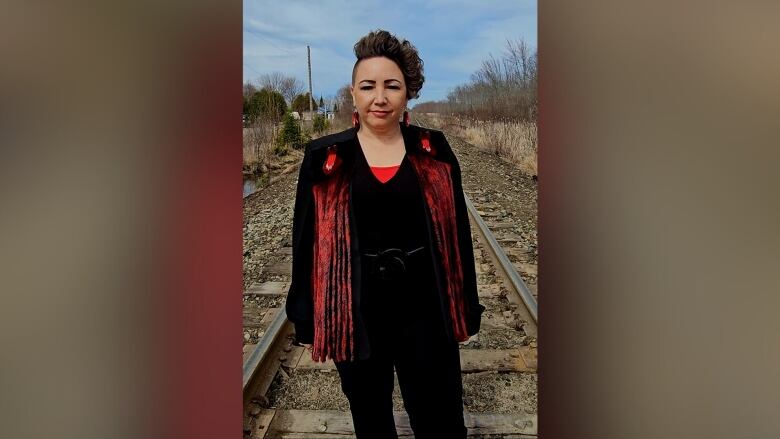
(380, 113)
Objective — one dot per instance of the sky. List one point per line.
(453, 37)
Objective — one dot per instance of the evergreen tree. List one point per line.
(289, 136)
(320, 123)
(301, 103)
(265, 104)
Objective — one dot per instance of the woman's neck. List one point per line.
(382, 149)
(392, 134)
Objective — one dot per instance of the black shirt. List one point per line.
(392, 215)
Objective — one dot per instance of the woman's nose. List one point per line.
(381, 97)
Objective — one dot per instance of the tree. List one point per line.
(322, 103)
(272, 81)
(266, 104)
(249, 90)
(289, 136)
(301, 103)
(247, 107)
(344, 98)
(328, 102)
(252, 107)
(290, 88)
(343, 105)
(502, 88)
(320, 123)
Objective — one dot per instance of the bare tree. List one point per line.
(489, 73)
(517, 62)
(290, 87)
(329, 101)
(502, 88)
(249, 89)
(272, 81)
(344, 101)
(344, 98)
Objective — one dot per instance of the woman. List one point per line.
(383, 265)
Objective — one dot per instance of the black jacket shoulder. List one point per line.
(316, 150)
(442, 149)
(411, 132)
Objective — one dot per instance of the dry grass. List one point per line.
(512, 140)
(258, 146)
(516, 141)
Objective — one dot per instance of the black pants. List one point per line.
(406, 331)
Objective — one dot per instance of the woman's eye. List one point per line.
(394, 87)
(366, 87)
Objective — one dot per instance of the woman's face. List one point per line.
(379, 93)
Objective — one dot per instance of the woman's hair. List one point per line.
(402, 52)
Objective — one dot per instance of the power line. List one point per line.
(252, 68)
(260, 35)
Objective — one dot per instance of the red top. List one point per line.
(384, 173)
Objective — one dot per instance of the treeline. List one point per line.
(270, 128)
(504, 88)
(272, 96)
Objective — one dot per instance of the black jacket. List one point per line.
(299, 305)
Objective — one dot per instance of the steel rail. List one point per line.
(261, 354)
(503, 261)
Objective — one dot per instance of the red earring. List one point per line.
(355, 119)
(406, 118)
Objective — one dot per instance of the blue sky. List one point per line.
(452, 36)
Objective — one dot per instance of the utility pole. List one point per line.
(308, 51)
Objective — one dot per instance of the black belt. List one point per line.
(390, 263)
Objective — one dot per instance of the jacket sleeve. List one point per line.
(473, 308)
(300, 305)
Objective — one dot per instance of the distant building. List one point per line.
(322, 111)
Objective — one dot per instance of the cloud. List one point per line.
(453, 37)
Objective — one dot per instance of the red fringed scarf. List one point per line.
(332, 272)
(437, 189)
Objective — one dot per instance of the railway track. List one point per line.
(286, 395)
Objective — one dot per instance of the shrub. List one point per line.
(290, 135)
(320, 123)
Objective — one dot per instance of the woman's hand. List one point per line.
(307, 346)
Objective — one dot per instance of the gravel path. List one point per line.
(268, 217)
(512, 195)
